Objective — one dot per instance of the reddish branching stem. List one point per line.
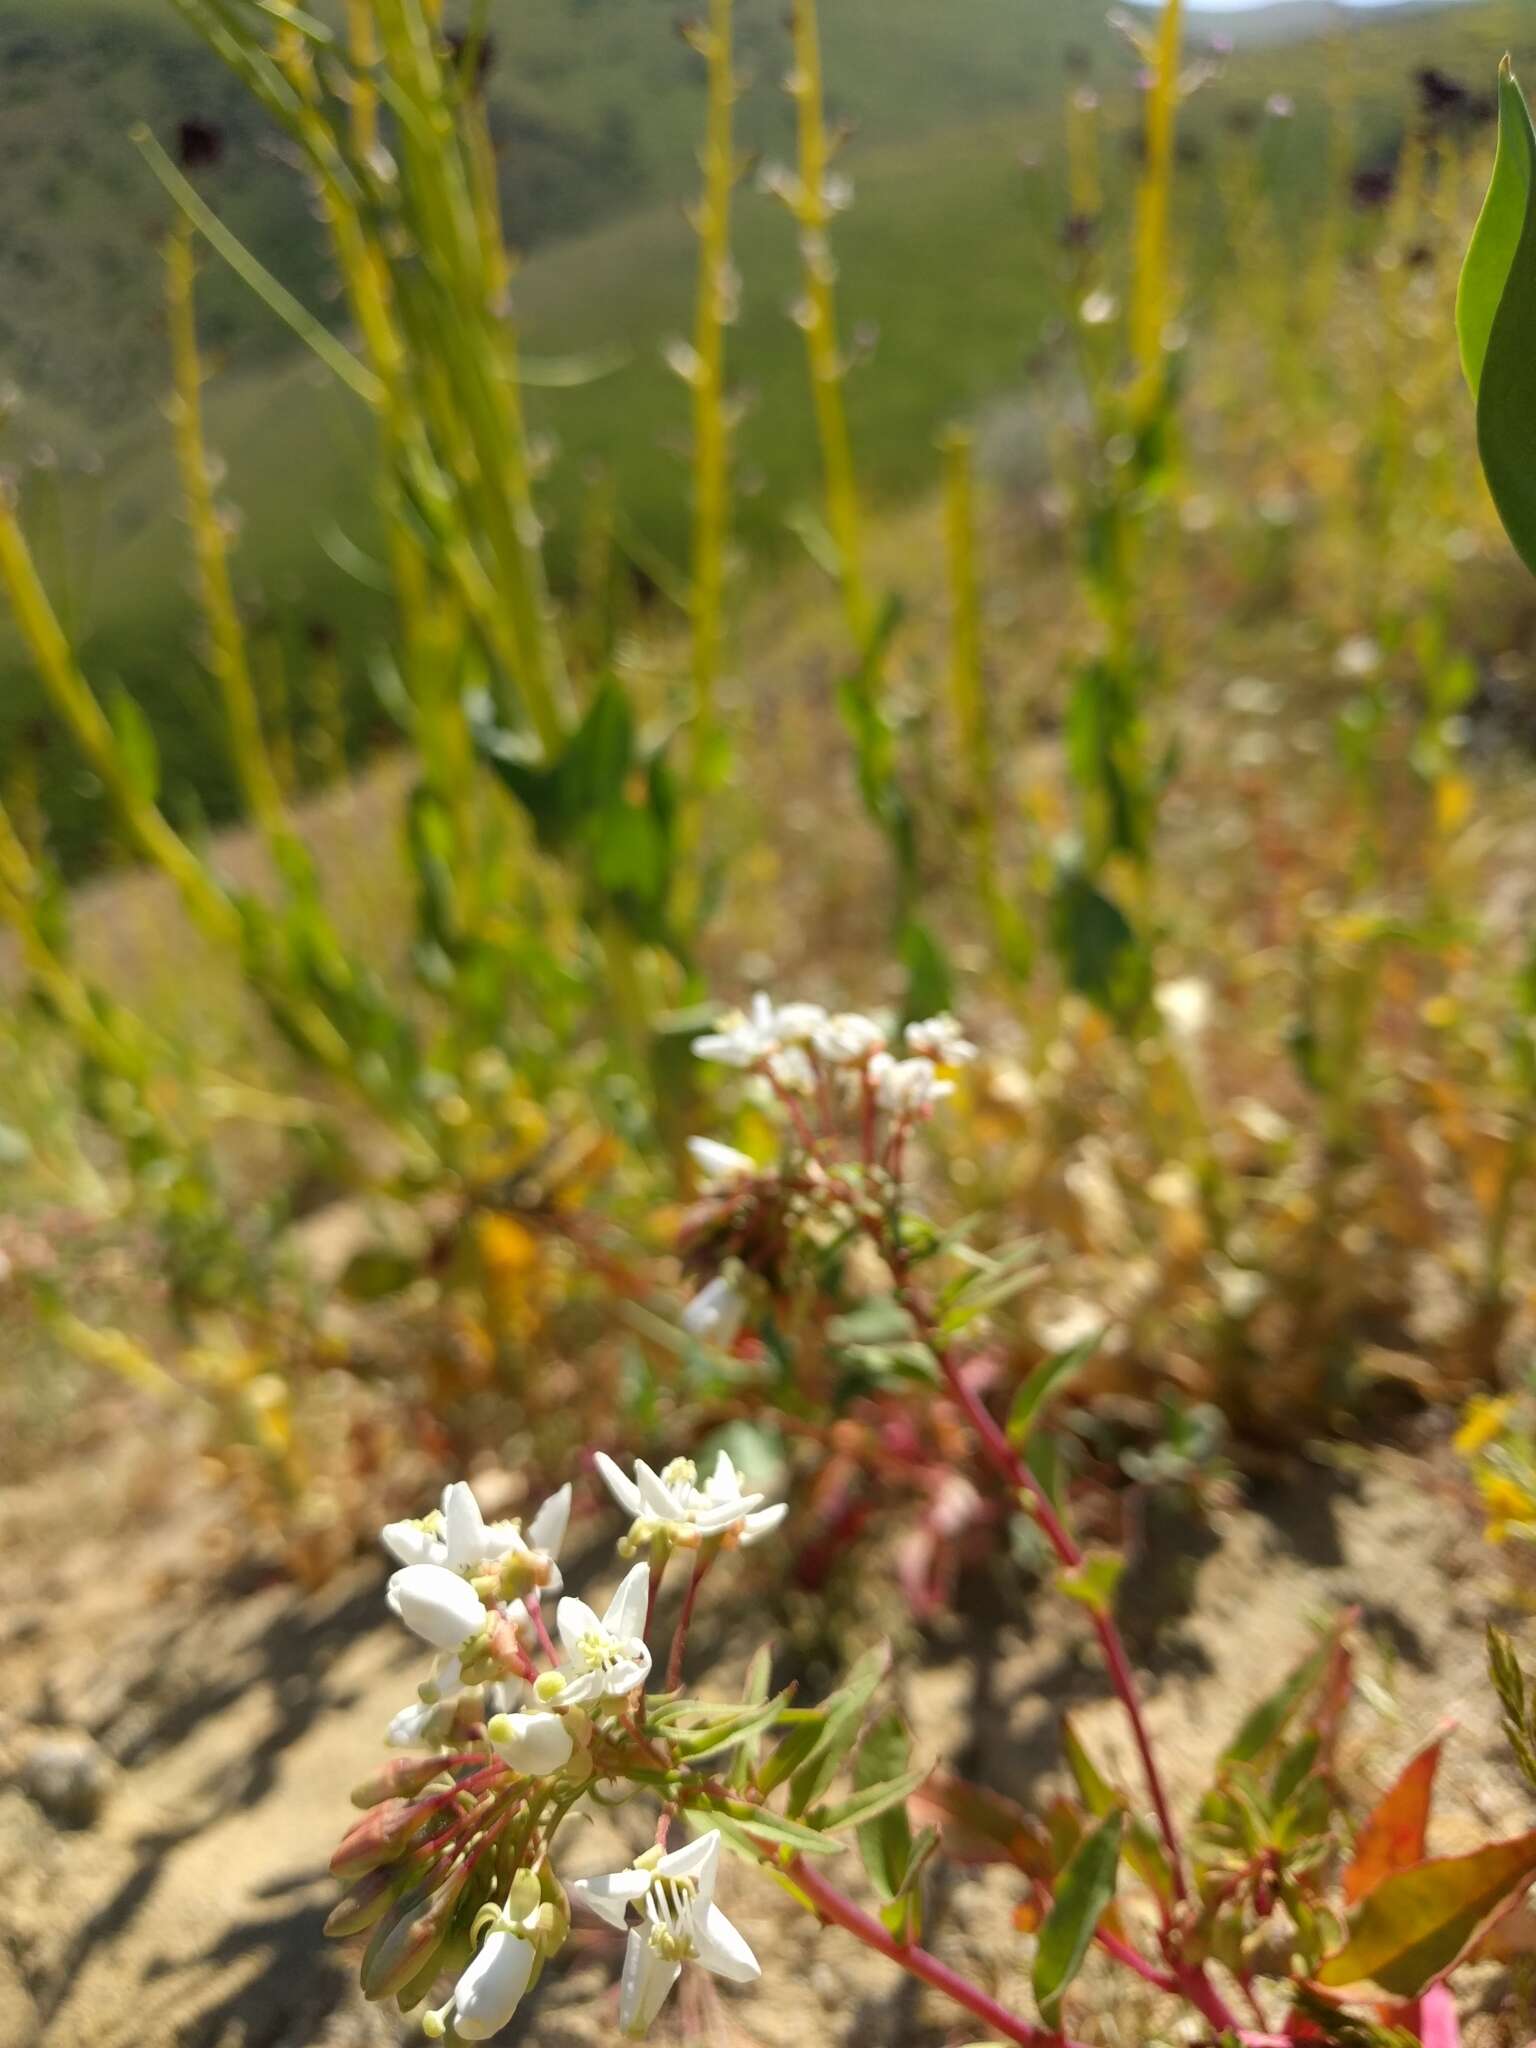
(837, 1910)
(703, 1559)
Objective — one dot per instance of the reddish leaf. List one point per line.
(978, 1826)
(1394, 1835)
(1416, 1923)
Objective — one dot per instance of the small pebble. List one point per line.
(68, 1777)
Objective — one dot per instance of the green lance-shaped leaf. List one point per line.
(1496, 322)
(1416, 1923)
(1496, 238)
(1050, 1377)
(1085, 1891)
(1271, 1716)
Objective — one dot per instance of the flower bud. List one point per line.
(407, 1940)
(549, 1685)
(381, 1836)
(535, 1744)
(361, 1906)
(401, 1778)
(437, 1604)
(450, 1960)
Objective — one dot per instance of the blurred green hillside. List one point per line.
(952, 260)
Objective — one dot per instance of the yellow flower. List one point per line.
(1484, 1420)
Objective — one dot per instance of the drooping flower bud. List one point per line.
(382, 1835)
(408, 1939)
(361, 1906)
(401, 1778)
(537, 1744)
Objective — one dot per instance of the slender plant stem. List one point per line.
(703, 1559)
(838, 1910)
(995, 1443)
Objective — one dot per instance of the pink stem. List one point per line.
(840, 1911)
(1013, 1468)
(1130, 1959)
(703, 1559)
(541, 1630)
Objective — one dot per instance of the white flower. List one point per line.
(741, 1040)
(907, 1087)
(682, 1924)
(607, 1658)
(437, 1604)
(941, 1040)
(1185, 1006)
(536, 1743)
(457, 1534)
(715, 1312)
(490, 1990)
(848, 1040)
(790, 1070)
(720, 1162)
(798, 1023)
(418, 1727)
(672, 1503)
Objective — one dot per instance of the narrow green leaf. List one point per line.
(845, 1717)
(1491, 252)
(1050, 1377)
(875, 1803)
(1094, 1789)
(885, 1836)
(1087, 1886)
(765, 1826)
(137, 752)
(1270, 1717)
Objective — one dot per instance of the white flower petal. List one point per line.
(413, 1543)
(722, 1948)
(437, 1604)
(611, 1895)
(625, 1618)
(647, 1979)
(720, 1162)
(762, 1522)
(627, 1673)
(575, 1620)
(467, 1537)
(546, 1531)
(698, 1859)
(618, 1483)
(657, 1497)
(488, 1993)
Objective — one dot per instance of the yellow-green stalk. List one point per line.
(714, 310)
(818, 315)
(227, 655)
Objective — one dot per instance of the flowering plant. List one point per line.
(1269, 1917)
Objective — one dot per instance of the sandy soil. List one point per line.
(236, 1715)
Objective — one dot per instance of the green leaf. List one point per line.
(845, 1712)
(1100, 954)
(764, 1825)
(1496, 238)
(1416, 1923)
(753, 1692)
(1506, 389)
(885, 1835)
(879, 1815)
(137, 753)
(1094, 1789)
(1269, 1718)
(1093, 1583)
(1087, 1886)
(1050, 1378)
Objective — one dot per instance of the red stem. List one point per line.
(1013, 1468)
(1131, 1959)
(541, 1630)
(838, 1910)
(703, 1559)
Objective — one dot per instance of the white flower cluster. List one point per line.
(794, 1045)
(671, 1507)
(472, 1590)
